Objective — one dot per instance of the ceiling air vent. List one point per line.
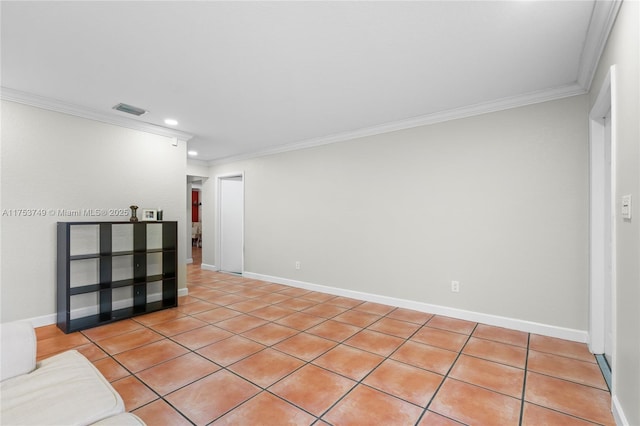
(129, 109)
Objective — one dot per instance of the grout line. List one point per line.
(524, 379)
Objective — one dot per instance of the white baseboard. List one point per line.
(118, 304)
(189, 260)
(495, 320)
(206, 267)
(618, 413)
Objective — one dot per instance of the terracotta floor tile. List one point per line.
(357, 318)
(178, 326)
(497, 352)
(405, 382)
(110, 330)
(270, 333)
(160, 413)
(440, 338)
(133, 392)
(159, 316)
(534, 415)
(471, 404)
(561, 347)
(267, 410)
(502, 335)
(350, 362)
(425, 356)
(294, 291)
(248, 305)
(275, 298)
(451, 324)
(366, 406)
(226, 300)
(374, 308)
(131, 340)
(577, 400)
(272, 312)
(266, 367)
(313, 388)
(230, 350)
(373, 341)
(488, 374)
(149, 355)
(92, 352)
(241, 323)
(196, 307)
(334, 330)
(211, 397)
(60, 343)
(325, 310)
(201, 337)
(305, 346)
(216, 315)
(300, 321)
(296, 303)
(318, 297)
(345, 302)
(47, 331)
(433, 419)
(395, 327)
(585, 373)
(110, 369)
(410, 315)
(185, 300)
(177, 372)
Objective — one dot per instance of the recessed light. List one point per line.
(194, 153)
(171, 122)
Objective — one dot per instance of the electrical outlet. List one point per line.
(298, 265)
(455, 286)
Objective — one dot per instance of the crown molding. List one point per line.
(79, 111)
(602, 19)
(425, 120)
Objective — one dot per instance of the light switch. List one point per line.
(626, 206)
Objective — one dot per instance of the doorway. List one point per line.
(231, 205)
(602, 118)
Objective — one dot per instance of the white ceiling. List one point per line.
(256, 77)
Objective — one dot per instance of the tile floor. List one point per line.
(243, 352)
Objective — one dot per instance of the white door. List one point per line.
(608, 250)
(231, 224)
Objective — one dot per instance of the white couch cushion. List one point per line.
(65, 389)
(124, 419)
(18, 344)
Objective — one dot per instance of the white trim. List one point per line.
(602, 20)
(511, 323)
(439, 117)
(618, 412)
(80, 111)
(51, 319)
(208, 267)
(605, 101)
(189, 260)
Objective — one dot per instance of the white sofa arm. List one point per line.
(18, 349)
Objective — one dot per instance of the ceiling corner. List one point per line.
(602, 20)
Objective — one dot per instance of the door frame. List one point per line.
(219, 179)
(606, 101)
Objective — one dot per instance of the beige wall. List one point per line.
(623, 50)
(55, 161)
(498, 202)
